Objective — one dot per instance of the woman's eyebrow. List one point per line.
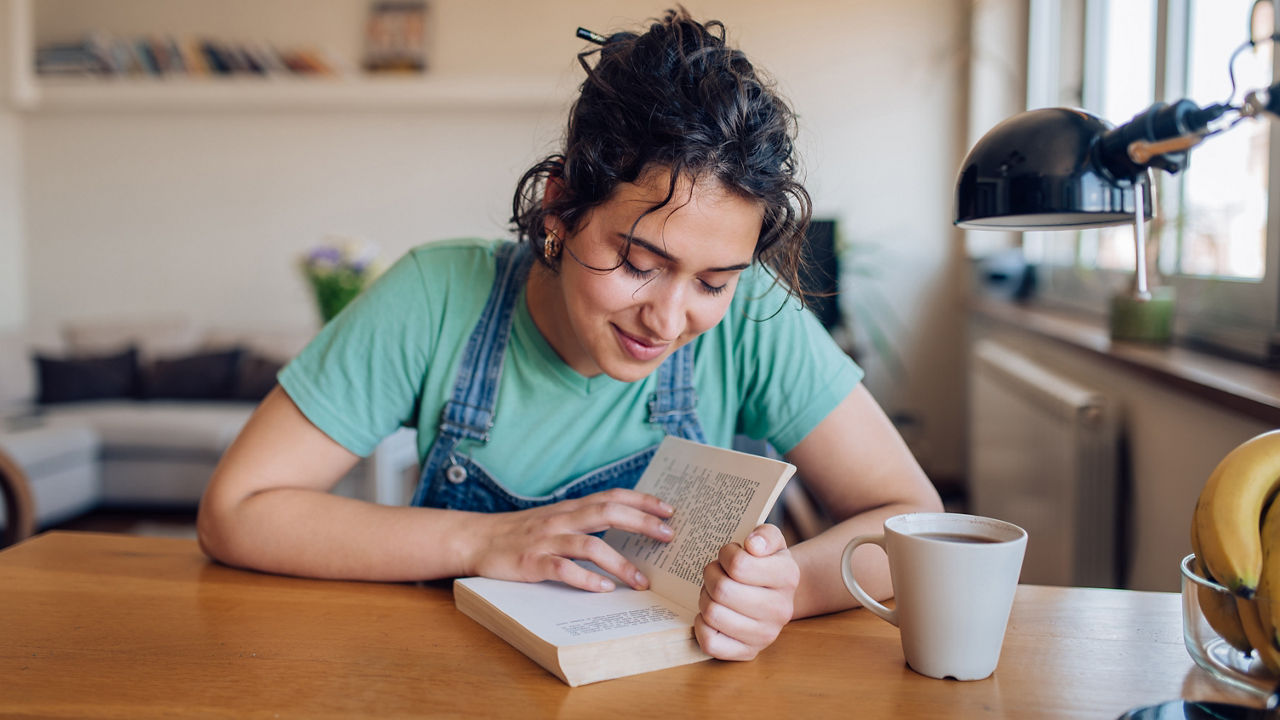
(667, 256)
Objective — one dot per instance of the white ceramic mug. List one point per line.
(954, 577)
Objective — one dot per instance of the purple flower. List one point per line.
(324, 256)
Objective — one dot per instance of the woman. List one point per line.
(648, 295)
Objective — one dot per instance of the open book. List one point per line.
(719, 495)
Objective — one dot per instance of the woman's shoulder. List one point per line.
(455, 252)
(450, 267)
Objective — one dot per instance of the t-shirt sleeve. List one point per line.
(793, 373)
(359, 378)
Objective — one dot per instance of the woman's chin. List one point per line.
(630, 370)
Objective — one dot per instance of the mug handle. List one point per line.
(890, 616)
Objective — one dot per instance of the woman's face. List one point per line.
(623, 315)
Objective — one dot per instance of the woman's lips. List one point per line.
(641, 350)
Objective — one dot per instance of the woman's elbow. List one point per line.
(215, 524)
(926, 497)
(209, 530)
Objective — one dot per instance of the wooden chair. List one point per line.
(802, 518)
(20, 507)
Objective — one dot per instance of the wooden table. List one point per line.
(96, 625)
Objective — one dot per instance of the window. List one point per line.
(1216, 236)
(1220, 210)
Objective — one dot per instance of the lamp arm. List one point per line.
(1149, 129)
(1141, 152)
(1257, 102)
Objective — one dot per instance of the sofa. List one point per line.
(136, 413)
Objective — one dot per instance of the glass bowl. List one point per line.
(1209, 650)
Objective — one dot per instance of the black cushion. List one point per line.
(101, 377)
(202, 376)
(256, 376)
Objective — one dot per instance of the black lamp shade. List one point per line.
(1038, 170)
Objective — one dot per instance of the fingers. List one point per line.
(542, 543)
(762, 563)
(765, 540)
(566, 548)
(744, 631)
(572, 574)
(746, 599)
(645, 502)
(756, 603)
(624, 510)
(721, 646)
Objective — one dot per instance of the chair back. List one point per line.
(20, 507)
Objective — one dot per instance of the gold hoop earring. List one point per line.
(551, 245)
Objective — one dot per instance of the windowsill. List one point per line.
(1249, 389)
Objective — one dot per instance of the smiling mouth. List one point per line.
(642, 350)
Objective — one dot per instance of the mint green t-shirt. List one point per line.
(391, 357)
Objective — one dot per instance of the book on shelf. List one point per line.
(102, 55)
(581, 637)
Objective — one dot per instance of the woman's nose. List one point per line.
(664, 311)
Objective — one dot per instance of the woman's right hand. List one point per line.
(542, 543)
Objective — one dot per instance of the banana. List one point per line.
(1219, 609)
(1269, 583)
(1229, 512)
(1252, 624)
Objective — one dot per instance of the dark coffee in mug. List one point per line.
(956, 537)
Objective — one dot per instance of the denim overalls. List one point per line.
(456, 482)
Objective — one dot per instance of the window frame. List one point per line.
(1236, 316)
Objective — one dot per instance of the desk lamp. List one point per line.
(1060, 168)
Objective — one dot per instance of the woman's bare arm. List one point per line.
(862, 472)
(268, 507)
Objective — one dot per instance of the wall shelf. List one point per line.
(30, 92)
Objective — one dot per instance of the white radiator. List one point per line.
(1043, 455)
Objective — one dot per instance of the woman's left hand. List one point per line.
(747, 596)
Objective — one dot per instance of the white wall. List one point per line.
(13, 295)
(13, 291)
(204, 213)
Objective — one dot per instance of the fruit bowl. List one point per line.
(1208, 647)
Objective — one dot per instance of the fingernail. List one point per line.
(665, 530)
(641, 580)
(666, 508)
(756, 543)
(606, 585)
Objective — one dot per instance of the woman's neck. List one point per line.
(547, 309)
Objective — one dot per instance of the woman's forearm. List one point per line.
(822, 588)
(316, 534)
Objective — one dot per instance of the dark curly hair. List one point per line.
(675, 97)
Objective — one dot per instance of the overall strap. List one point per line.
(469, 411)
(675, 403)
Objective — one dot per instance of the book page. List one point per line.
(564, 615)
(719, 495)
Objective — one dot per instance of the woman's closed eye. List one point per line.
(637, 272)
(712, 290)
